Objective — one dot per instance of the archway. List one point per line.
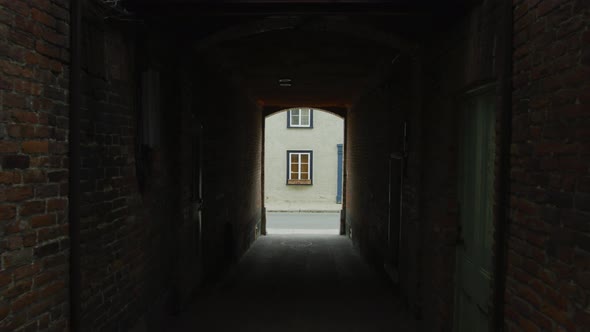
(303, 170)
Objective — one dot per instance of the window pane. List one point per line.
(295, 117)
(299, 167)
(305, 120)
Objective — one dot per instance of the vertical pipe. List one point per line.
(346, 116)
(504, 189)
(339, 174)
(74, 164)
(262, 165)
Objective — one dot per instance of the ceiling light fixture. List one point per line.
(285, 82)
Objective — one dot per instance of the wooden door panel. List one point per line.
(476, 200)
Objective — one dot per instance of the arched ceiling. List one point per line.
(329, 51)
(302, 65)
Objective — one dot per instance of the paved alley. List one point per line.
(303, 223)
(299, 283)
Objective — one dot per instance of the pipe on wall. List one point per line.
(74, 164)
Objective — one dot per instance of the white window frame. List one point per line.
(299, 180)
(298, 112)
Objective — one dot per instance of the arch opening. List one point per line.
(303, 171)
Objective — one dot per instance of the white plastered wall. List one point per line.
(322, 139)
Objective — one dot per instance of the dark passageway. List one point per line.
(299, 283)
(132, 165)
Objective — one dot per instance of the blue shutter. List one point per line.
(339, 180)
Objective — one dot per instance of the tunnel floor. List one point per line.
(298, 283)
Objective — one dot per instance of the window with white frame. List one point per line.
(299, 167)
(300, 118)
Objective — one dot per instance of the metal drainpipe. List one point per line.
(74, 164)
(504, 199)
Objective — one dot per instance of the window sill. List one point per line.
(299, 182)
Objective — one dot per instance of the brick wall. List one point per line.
(232, 125)
(548, 276)
(374, 132)
(34, 37)
(367, 191)
(138, 241)
(113, 233)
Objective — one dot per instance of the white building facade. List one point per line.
(303, 160)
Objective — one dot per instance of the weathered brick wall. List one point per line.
(374, 132)
(232, 125)
(34, 58)
(188, 274)
(137, 239)
(367, 191)
(548, 276)
(113, 234)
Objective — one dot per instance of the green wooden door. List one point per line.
(474, 245)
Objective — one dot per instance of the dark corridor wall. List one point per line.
(470, 54)
(374, 132)
(424, 88)
(145, 249)
(232, 127)
(127, 213)
(140, 256)
(541, 239)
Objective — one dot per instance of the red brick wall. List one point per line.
(114, 254)
(138, 249)
(548, 277)
(34, 37)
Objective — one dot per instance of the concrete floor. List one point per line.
(298, 283)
